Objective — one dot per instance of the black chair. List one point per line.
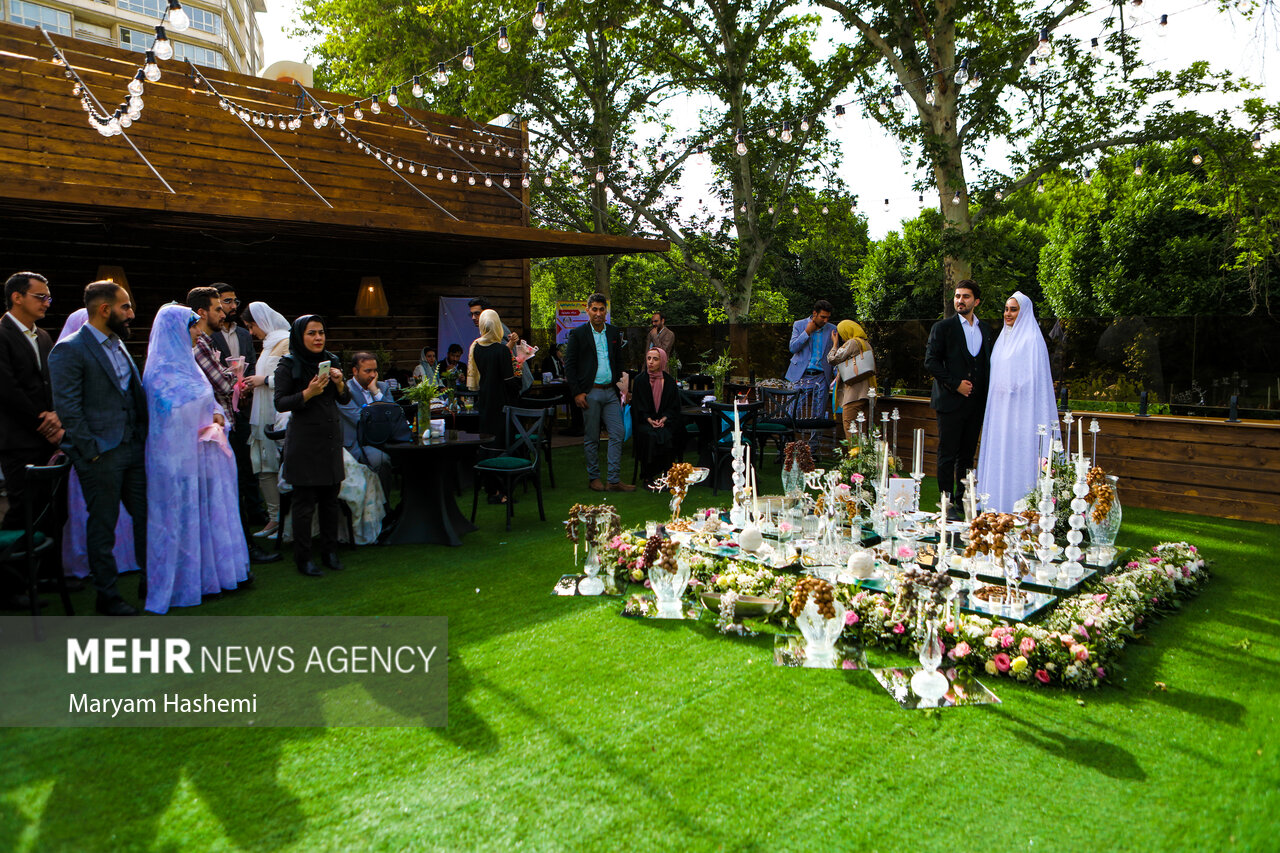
(722, 435)
(519, 460)
(699, 382)
(814, 425)
(778, 422)
(544, 435)
(21, 551)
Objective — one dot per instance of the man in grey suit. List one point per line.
(97, 393)
(365, 389)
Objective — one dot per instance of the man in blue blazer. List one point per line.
(958, 355)
(98, 395)
(811, 340)
(365, 388)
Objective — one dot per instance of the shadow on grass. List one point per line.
(1106, 758)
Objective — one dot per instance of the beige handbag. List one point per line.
(861, 365)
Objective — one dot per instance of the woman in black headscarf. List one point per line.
(312, 462)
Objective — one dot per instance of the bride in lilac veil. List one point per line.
(75, 549)
(195, 544)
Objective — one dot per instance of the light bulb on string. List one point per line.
(162, 47)
(1043, 48)
(840, 120)
(955, 199)
(795, 210)
(928, 94)
(574, 178)
(342, 116)
(999, 195)
(743, 208)
(899, 93)
(599, 175)
(804, 125)
(825, 210)
(771, 132)
(453, 178)
(1040, 185)
(410, 168)
(135, 85)
(417, 86)
(469, 59)
(524, 181)
(546, 180)
(540, 16)
(393, 97)
(374, 106)
(316, 123)
(441, 76)
(1034, 68)
(701, 156)
(488, 181)
(962, 73)
(271, 122)
(741, 146)
(921, 199)
(786, 132)
(1137, 167)
(471, 179)
(179, 22)
(1196, 159)
(75, 90)
(504, 43)
(125, 121)
(1257, 140)
(399, 164)
(357, 113)
(886, 205)
(439, 174)
(150, 69)
(1095, 48)
(771, 210)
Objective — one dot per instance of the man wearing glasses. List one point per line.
(29, 427)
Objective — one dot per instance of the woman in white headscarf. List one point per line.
(1019, 401)
(269, 326)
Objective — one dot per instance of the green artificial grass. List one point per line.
(573, 728)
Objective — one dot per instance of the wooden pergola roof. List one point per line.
(53, 164)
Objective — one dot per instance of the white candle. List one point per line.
(884, 468)
(918, 465)
(1080, 439)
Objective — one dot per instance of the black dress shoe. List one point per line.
(309, 569)
(116, 607)
(258, 555)
(332, 562)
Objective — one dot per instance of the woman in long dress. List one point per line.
(75, 543)
(1019, 401)
(491, 374)
(195, 544)
(269, 326)
(851, 342)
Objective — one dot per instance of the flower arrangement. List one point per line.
(718, 370)
(862, 459)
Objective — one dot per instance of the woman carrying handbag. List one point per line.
(855, 370)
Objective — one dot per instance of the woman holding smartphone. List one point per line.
(309, 387)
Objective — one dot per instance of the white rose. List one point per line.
(991, 642)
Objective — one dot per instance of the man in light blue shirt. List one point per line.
(593, 366)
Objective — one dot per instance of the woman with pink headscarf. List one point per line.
(655, 412)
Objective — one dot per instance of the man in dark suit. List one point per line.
(958, 355)
(231, 339)
(365, 388)
(594, 366)
(29, 427)
(97, 392)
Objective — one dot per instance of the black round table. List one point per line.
(429, 513)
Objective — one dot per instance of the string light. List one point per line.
(342, 116)
(134, 87)
(741, 146)
(1044, 48)
(1196, 159)
(162, 48)
(1257, 140)
(441, 76)
(804, 125)
(504, 43)
(524, 181)
(999, 195)
(840, 119)
(453, 178)
(955, 199)
(1164, 25)
(1040, 185)
(417, 86)
(962, 73)
(374, 106)
(393, 97)
(785, 136)
(150, 69)
(178, 19)
(540, 16)
(1034, 68)
(469, 59)
(1095, 48)
(1088, 177)
(928, 92)
(358, 113)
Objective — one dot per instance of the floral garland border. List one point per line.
(1076, 645)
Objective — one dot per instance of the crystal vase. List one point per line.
(1102, 534)
(929, 684)
(591, 584)
(792, 481)
(820, 634)
(668, 590)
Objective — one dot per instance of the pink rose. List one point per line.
(961, 649)
(1101, 598)
(1080, 630)
(647, 584)
(848, 664)
(1001, 661)
(1079, 652)
(1042, 676)
(1100, 672)
(951, 627)
(1153, 560)
(906, 552)
(1067, 640)
(785, 527)
(1006, 641)
(1027, 646)
(851, 618)
(856, 478)
(898, 629)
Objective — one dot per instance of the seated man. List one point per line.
(365, 389)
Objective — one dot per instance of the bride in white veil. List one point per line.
(1019, 401)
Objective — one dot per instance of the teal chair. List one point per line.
(519, 460)
(21, 551)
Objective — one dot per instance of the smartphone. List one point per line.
(322, 368)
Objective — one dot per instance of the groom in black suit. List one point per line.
(959, 357)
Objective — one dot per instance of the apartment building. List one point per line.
(223, 33)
